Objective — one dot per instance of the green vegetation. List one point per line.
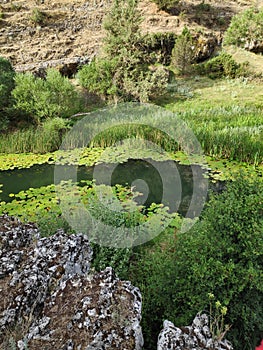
(46, 137)
(245, 28)
(221, 254)
(221, 66)
(37, 16)
(166, 4)
(223, 115)
(183, 52)
(221, 102)
(39, 99)
(124, 71)
(7, 84)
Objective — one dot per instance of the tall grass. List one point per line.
(234, 133)
(42, 139)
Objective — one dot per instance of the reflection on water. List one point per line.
(160, 182)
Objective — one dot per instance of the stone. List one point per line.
(49, 290)
(194, 337)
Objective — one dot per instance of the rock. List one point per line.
(66, 66)
(48, 290)
(255, 46)
(194, 337)
(95, 312)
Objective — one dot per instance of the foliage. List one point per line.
(245, 27)
(217, 313)
(124, 71)
(166, 4)
(221, 254)
(222, 65)
(40, 98)
(46, 137)
(37, 16)
(183, 52)
(98, 77)
(161, 44)
(7, 84)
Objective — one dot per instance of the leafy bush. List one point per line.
(53, 97)
(245, 27)
(7, 84)
(221, 254)
(97, 77)
(222, 65)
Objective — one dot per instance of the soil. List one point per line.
(35, 31)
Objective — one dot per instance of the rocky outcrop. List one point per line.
(67, 66)
(255, 46)
(51, 300)
(194, 337)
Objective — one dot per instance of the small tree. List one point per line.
(122, 71)
(183, 52)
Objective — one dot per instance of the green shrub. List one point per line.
(222, 65)
(221, 254)
(37, 16)
(245, 27)
(7, 84)
(97, 77)
(53, 97)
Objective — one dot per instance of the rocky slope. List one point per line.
(37, 31)
(51, 299)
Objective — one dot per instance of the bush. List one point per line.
(222, 65)
(53, 97)
(7, 84)
(245, 27)
(221, 254)
(97, 77)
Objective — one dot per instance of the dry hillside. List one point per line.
(34, 31)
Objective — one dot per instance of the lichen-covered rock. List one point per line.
(194, 337)
(47, 290)
(94, 312)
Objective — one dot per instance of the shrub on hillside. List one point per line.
(222, 65)
(7, 84)
(245, 27)
(222, 254)
(40, 98)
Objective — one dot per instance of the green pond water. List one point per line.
(165, 182)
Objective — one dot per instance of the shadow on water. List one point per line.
(166, 182)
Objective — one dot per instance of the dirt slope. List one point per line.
(72, 28)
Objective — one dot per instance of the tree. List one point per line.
(7, 84)
(123, 71)
(183, 52)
